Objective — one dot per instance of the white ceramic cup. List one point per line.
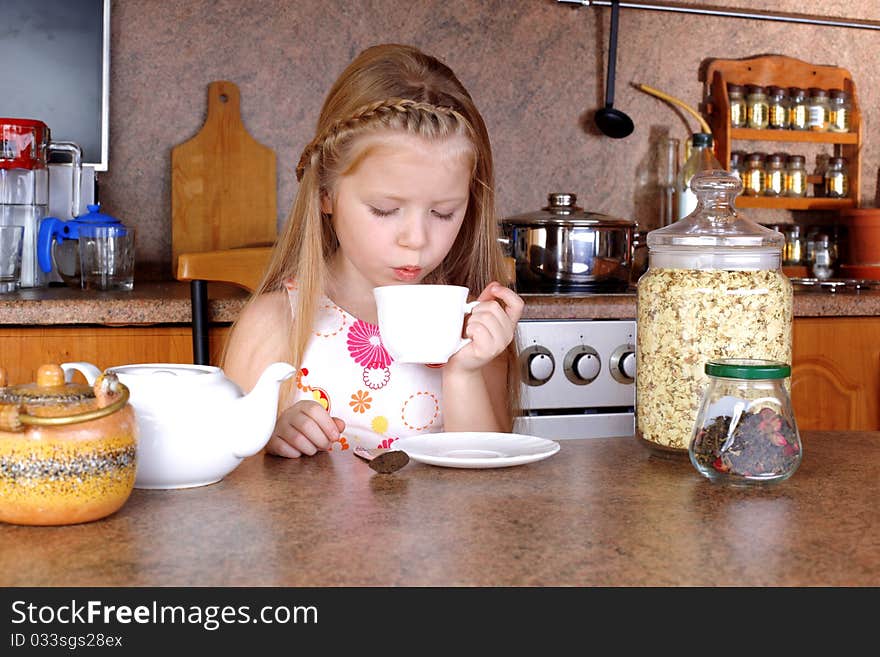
(422, 323)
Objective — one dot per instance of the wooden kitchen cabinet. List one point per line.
(24, 349)
(835, 380)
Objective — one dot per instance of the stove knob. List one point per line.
(582, 365)
(623, 363)
(537, 365)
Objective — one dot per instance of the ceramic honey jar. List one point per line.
(67, 450)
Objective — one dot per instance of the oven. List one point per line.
(577, 378)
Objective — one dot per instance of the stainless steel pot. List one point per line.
(561, 248)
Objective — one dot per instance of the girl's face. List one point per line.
(397, 214)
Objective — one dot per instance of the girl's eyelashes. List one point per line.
(382, 213)
(441, 215)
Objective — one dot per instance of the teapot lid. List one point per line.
(97, 218)
(53, 402)
(562, 209)
(50, 389)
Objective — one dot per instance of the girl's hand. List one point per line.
(490, 326)
(304, 429)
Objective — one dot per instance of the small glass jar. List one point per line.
(836, 178)
(737, 163)
(736, 94)
(774, 175)
(796, 176)
(824, 257)
(745, 432)
(753, 176)
(777, 100)
(820, 110)
(798, 109)
(757, 107)
(841, 110)
(794, 246)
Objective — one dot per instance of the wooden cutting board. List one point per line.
(222, 183)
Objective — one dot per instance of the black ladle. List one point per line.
(610, 121)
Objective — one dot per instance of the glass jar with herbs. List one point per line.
(714, 288)
(777, 99)
(798, 109)
(757, 107)
(836, 178)
(736, 95)
(774, 175)
(796, 176)
(841, 110)
(753, 176)
(737, 163)
(745, 432)
(819, 110)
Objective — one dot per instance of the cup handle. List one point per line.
(463, 342)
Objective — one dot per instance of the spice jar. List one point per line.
(796, 176)
(777, 100)
(67, 450)
(819, 110)
(735, 93)
(798, 109)
(757, 107)
(840, 111)
(836, 178)
(824, 257)
(745, 432)
(774, 175)
(753, 177)
(794, 246)
(714, 288)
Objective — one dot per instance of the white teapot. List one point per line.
(195, 424)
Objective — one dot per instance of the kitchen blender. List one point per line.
(24, 185)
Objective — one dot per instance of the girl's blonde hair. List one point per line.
(399, 88)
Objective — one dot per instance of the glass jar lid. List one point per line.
(747, 368)
(715, 224)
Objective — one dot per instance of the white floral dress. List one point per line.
(348, 371)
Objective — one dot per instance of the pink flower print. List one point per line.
(365, 346)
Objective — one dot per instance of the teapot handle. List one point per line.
(86, 369)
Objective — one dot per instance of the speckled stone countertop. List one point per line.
(169, 303)
(602, 511)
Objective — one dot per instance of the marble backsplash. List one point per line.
(536, 69)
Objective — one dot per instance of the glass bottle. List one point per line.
(701, 159)
(667, 176)
(735, 93)
(757, 107)
(820, 110)
(745, 432)
(796, 176)
(714, 288)
(737, 163)
(841, 110)
(753, 177)
(777, 99)
(824, 257)
(836, 178)
(798, 109)
(774, 175)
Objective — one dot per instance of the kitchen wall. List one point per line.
(536, 68)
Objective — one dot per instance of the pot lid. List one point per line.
(562, 209)
(53, 402)
(49, 390)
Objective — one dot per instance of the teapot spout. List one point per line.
(253, 416)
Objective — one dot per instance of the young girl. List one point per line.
(395, 188)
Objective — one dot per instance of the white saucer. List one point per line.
(475, 449)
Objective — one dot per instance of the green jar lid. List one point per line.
(748, 368)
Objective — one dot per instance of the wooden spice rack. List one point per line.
(782, 71)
